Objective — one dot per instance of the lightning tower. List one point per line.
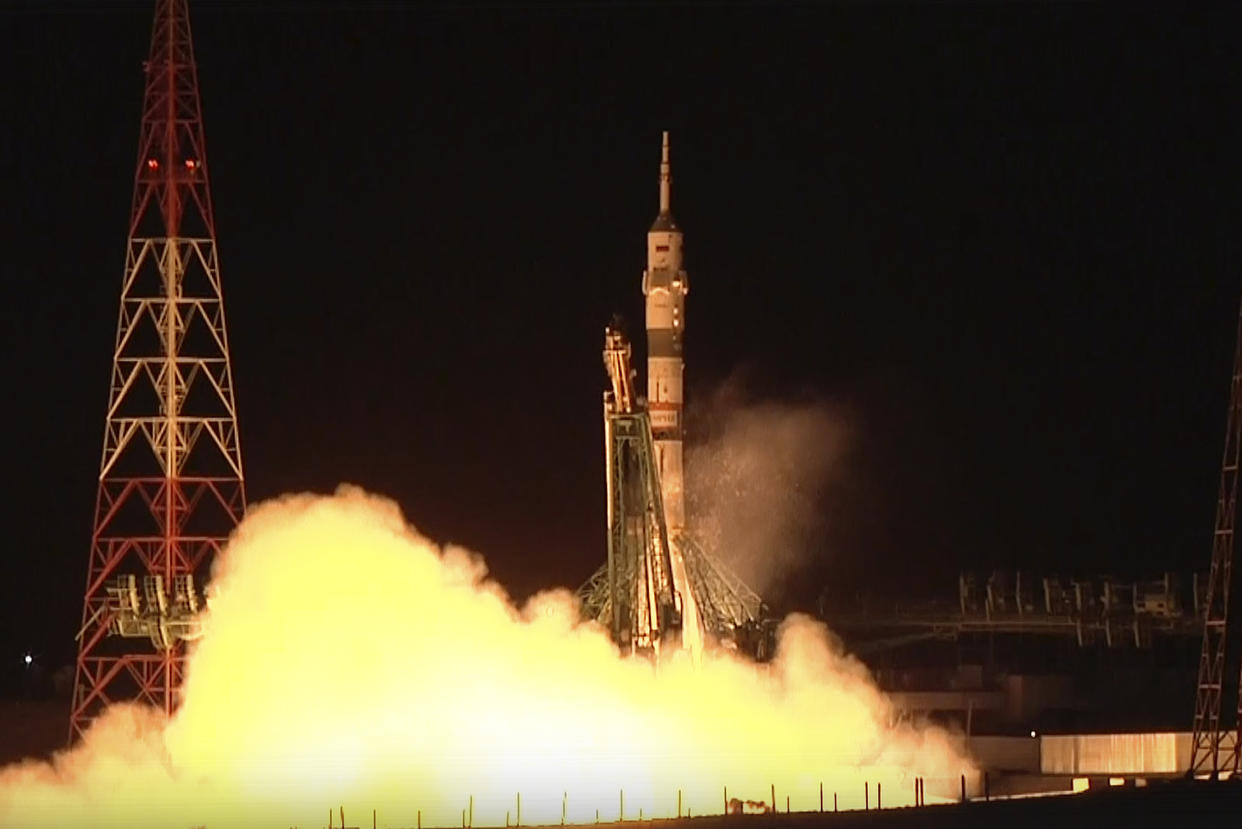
(171, 486)
(665, 286)
(1216, 750)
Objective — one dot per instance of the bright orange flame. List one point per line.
(348, 660)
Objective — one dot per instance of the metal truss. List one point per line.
(153, 614)
(171, 483)
(725, 602)
(1217, 749)
(1088, 610)
(649, 586)
(642, 605)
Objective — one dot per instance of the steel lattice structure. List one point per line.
(1215, 748)
(171, 485)
(652, 586)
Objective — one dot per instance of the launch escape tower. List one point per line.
(171, 487)
(657, 582)
(1215, 749)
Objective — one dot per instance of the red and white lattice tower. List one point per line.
(171, 487)
(1216, 746)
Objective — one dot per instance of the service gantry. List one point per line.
(171, 487)
(654, 589)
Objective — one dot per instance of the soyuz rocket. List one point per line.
(665, 286)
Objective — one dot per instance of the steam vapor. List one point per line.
(758, 480)
(349, 660)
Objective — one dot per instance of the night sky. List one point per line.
(1000, 240)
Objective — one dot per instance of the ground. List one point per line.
(1161, 805)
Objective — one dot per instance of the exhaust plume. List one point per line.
(348, 661)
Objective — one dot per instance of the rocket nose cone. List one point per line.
(664, 223)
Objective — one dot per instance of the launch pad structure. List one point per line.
(653, 585)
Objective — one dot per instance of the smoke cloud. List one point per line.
(349, 661)
(758, 476)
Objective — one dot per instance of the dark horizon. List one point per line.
(999, 242)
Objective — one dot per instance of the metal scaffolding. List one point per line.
(652, 587)
(171, 486)
(1099, 610)
(1217, 748)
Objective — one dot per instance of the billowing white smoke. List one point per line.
(757, 478)
(350, 661)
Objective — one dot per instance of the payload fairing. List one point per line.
(665, 285)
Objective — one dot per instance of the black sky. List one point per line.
(1002, 237)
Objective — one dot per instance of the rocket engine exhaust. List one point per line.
(351, 661)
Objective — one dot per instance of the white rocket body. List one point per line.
(665, 285)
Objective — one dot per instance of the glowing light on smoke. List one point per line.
(349, 661)
(759, 479)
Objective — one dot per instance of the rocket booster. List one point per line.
(665, 286)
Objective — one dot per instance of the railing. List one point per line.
(1088, 609)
